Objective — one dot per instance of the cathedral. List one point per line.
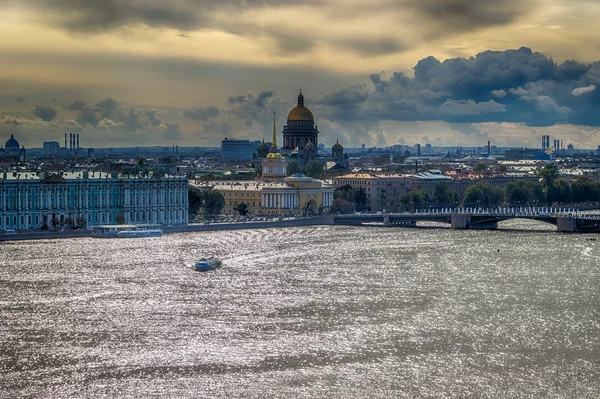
(12, 150)
(300, 134)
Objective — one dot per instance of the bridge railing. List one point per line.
(512, 211)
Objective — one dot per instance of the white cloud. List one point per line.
(583, 90)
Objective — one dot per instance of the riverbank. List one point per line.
(312, 221)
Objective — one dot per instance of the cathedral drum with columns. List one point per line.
(300, 129)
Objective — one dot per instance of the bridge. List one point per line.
(565, 219)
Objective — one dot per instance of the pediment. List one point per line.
(54, 178)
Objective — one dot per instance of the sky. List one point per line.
(379, 72)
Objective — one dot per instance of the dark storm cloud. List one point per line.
(151, 114)
(216, 129)
(103, 15)
(260, 100)
(494, 86)
(172, 132)
(77, 106)
(466, 15)
(200, 113)
(427, 19)
(45, 112)
(108, 112)
(372, 46)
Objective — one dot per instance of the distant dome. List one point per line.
(12, 143)
(300, 112)
(337, 145)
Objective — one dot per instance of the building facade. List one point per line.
(294, 196)
(51, 147)
(32, 201)
(383, 191)
(238, 150)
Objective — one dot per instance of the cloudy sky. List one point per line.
(379, 72)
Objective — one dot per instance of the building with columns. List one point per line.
(30, 200)
(276, 194)
(295, 196)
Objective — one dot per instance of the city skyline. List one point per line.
(190, 73)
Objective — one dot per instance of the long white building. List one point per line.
(33, 200)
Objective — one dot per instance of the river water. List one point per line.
(306, 312)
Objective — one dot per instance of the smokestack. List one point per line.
(416, 166)
(65, 141)
(418, 150)
(77, 141)
(489, 149)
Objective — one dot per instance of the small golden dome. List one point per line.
(272, 155)
(300, 114)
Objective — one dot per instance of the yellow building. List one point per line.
(275, 194)
(296, 195)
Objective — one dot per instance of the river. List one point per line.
(304, 312)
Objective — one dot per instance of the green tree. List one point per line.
(54, 222)
(418, 198)
(549, 175)
(454, 198)
(292, 168)
(565, 195)
(81, 222)
(120, 218)
(345, 192)
(213, 202)
(339, 205)
(195, 199)
(538, 194)
(441, 193)
(483, 194)
(70, 222)
(360, 196)
(314, 169)
(258, 170)
(242, 209)
(516, 196)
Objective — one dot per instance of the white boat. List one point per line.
(206, 264)
(127, 231)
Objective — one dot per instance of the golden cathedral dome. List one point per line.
(300, 112)
(272, 155)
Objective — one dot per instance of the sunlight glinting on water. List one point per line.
(304, 312)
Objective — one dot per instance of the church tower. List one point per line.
(274, 166)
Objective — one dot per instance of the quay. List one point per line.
(565, 219)
(308, 221)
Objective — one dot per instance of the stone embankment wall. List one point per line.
(313, 221)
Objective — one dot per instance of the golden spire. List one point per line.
(274, 145)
